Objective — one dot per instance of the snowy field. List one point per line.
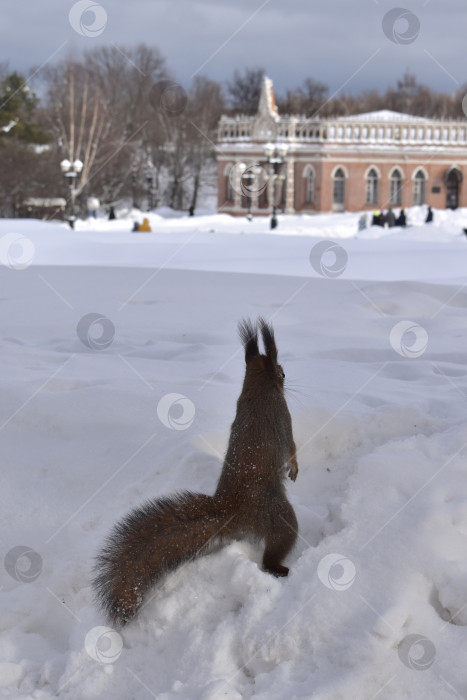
(121, 369)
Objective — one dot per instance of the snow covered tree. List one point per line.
(18, 105)
(22, 143)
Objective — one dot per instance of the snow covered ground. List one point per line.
(121, 369)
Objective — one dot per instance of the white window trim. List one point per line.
(419, 169)
(368, 170)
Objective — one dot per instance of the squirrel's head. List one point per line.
(255, 361)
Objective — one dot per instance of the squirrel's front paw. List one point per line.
(293, 467)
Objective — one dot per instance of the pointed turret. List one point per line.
(267, 117)
(267, 102)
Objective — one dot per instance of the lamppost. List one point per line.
(275, 155)
(248, 176)
(71, 172)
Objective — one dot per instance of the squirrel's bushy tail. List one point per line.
(149, 542)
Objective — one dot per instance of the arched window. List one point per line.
(419, 188)
(229, 174)
(338, 189)
(453, 179)
(395, 192)
(372, 187)
(309, 175)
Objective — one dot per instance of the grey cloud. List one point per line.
(294, 39)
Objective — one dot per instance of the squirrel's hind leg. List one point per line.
(281, 537)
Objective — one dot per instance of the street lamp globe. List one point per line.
(65, 165)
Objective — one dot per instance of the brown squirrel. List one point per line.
(250, 499)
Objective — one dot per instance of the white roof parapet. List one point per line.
(382, 115)
(383, 128)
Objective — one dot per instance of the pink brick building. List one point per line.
(351, 163)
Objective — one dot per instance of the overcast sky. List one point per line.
(349, 45)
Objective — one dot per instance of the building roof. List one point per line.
(383, 115)
(45, 202)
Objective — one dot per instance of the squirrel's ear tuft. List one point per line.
(249, 337)
(268, 339)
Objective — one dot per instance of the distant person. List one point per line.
(362, 222)
(391, 218)
(401, 219)
(135, 227)
(112, 214)
(93, 205)
(144, 227)
(378, 218)
(429, 216)
(191, 211)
